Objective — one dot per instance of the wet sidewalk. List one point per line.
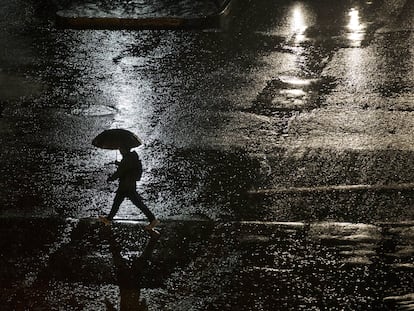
(56, 264)
(144, 14)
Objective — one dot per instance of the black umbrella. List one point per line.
(116, 138)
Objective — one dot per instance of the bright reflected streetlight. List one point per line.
(298, 25)
(356, 29)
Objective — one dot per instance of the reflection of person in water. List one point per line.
(129, 172)
(129, 275)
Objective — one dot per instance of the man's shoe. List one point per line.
(152, 224)
(154, 233)
(105, 220)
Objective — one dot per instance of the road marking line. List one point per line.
(330, 188)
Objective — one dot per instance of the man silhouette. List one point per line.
(129, 172)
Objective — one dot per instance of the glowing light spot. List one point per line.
(295, 80)
(298, 25)
(356, 28)
(354, 24)
(293, 93)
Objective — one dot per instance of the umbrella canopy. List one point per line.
(115, 139)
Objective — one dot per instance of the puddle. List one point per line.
(291, 94)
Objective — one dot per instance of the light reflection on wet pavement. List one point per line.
(293, 95)
(204, 265)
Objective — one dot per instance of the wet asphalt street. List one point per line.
(277, 153)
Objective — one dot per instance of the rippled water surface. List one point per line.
(277, 153)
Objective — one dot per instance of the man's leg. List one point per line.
(137, 200)
(119, 198)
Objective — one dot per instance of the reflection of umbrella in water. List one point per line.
(130, 274)
(114, 139)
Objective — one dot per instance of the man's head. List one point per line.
(124, 150)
